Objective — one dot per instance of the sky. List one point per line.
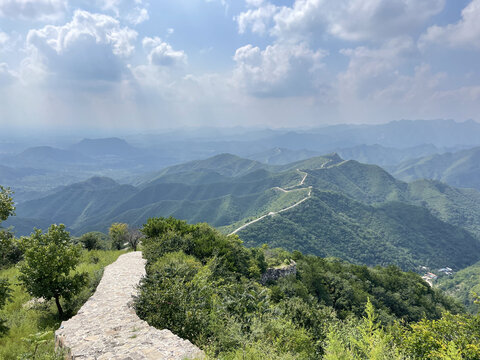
(147, 65)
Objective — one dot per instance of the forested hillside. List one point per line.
(331, 224)
(210, 289)
(336, 208)
(460, 169)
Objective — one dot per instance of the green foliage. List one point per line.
(331, 224)
(10, 252)
(463, 285)
(6, 248)
(5, 293)
(457, 169)
(91, 241)
(49, 262)
(203, 242)
(363, 339)
(34, 342)
(118, 233)
(358, 212)
(200, 285)
(451, 337)
(346, 288)
(7, 207)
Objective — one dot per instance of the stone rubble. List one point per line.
(106, 327)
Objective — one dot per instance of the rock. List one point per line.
(273, 274)
(106, 327)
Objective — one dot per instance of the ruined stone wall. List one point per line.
(273, 274)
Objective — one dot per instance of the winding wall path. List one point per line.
(106, 327)
(272, 213)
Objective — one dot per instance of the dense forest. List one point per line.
(207, 287)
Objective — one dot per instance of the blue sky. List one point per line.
(139, 64)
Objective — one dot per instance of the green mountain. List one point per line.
(45, 157)
(332, 224)
(75, 203)
(224, 164)
(463, 285)
(347, 209)
(105, 147)
(282, 156)
(10, 174)
(386, 156)
(460, 169)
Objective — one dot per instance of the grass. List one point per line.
(28, 322)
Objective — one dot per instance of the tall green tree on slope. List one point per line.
(50, 261)
(7, 208)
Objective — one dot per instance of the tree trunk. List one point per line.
(59, 307)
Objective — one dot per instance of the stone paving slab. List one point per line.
(106, 327)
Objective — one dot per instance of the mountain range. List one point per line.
(323, 205)
(461, 169)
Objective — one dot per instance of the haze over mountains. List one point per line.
(46, 165)
(327, 191)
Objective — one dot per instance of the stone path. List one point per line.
(106, 327)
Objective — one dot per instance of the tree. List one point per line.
(90, 241)
(10, 252)
(134, 237)
(118, 233)
(49, 262)
(7, 208)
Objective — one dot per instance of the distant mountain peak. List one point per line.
(104, 147)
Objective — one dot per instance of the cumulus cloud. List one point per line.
(137, 16)
(43, 10)
(91, 46)
(3, 39)
(161, 53)
(465, 33)
(6, 75)
(373, 19)
(352, 20)
(370, 70)
(258, 20)
(279, 70)
(256, 3)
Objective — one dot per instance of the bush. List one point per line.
(90, 241)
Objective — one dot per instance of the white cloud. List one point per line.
(379, 19)
(43, 10)
(138, 15)
(3, 39)
(162, 54)
(6, 75)
(352, 20)
(256, 19)
(371, 70)
(90, 47)
(110, 5)
(254, 3)
(279, 70)
(464, 34)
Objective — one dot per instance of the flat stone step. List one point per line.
(106, 327)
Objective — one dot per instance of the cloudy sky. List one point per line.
(152, 64)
